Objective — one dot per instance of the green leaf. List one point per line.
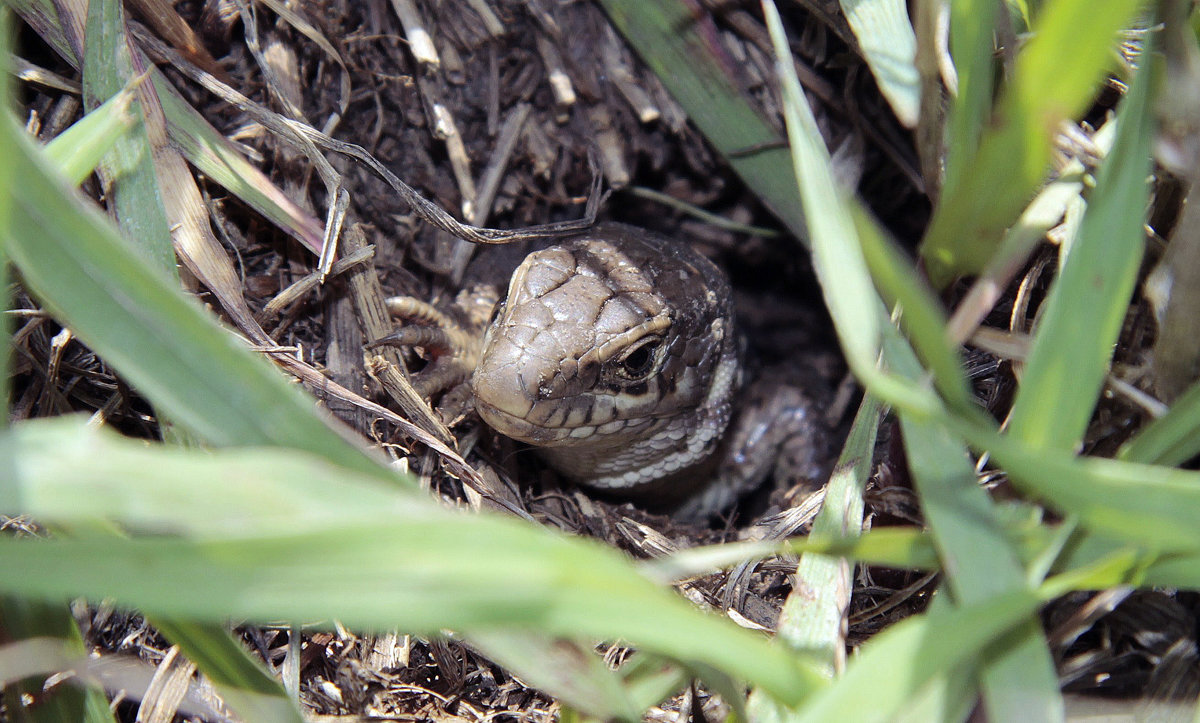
(427, 567)
(682, 49)
(128, 173)
(1082, 317)
(1171, 439)
(889, 46)
(77, 151)
(1018, 681)
(245, 687)
(1056, 75)
(895, 665)
(164, 343)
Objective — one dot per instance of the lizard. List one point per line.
(615, 354)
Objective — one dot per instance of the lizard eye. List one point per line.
(497, 310)
(639, 362)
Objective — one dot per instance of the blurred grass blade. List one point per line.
(683, 49)
(161, 341)
(1173, 287)
(972, 27)
(1123, 567)
(77, 151)
(1171, 439)
(8, 172)
(950, 695)
(1056, 75)
(575, 674)
(427, 567)
(29, 621)
(1175, 570)
(245, 687)
(897, 663)
(650, 678)
(425, 573)
(126, 483)
(1082, 317)
(889, 46)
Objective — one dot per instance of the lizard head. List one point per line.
(605, 341)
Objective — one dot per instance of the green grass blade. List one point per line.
(972, 26)
(1174, 570)
(1171, 439)
(428, 567)
(126, 484)
(1082, 317)
(682, 49)
(1147, 505)
(813, 617)
(77, 151)
(839, 264)
(978, 555)
(22, 619)
(649, 679)
(214, 156)
(833, 234)
(903, 548)
(950, 695)
(249, 690)
(169, 348)
(1056, 76)
(8, 172)
(1020, 683)
(128, 173)
(539, 584)
(577, 676)
(814, 624)
(889, 46)
(922, 316)
(895, 665)
(204, 147)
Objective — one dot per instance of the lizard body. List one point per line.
(615, 355)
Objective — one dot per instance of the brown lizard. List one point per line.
(615, 355)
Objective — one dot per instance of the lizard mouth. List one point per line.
(520, 428)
